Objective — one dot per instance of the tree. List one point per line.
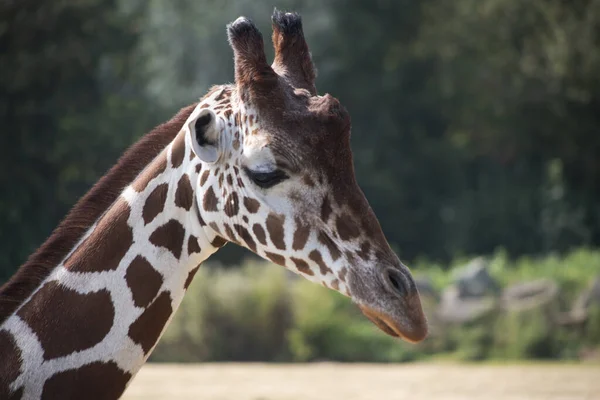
(63, 67)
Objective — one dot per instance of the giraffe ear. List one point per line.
(204, 136)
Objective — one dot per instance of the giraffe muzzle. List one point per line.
(413, 333)
(394, 304)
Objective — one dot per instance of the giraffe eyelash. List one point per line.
(266, 180)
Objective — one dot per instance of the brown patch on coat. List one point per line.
(146, 330)
(89, 208)
(204, 177)
(218, 242)
(346, 227)
(178, 151)
(184, 195)
(155, 203)
(331, 246)
(343, 274)
(229, 233)
(198, 215)
(223, 94)
(245, 236)
(315, 256)
(335, 284)
(210, 201)
(251, 205)
(215, 227)
(325, 209)
(351, 257)
(365, 251)
(169, 236)
(143, 281)
(10, 367)
(259, 232)
(302, 266)
(276, 258)
(95, 381)
(190, 277)
(193, 246)
(276, 231)
(87, 322)
(308, 181)
(300, 234)
(232, 206)
(104, 248)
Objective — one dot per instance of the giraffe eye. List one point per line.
(267, 179)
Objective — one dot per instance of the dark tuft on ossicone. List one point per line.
(242, 28)
(288, 23)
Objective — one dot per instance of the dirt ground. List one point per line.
(361, 381)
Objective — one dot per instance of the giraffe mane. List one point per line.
(86, 211)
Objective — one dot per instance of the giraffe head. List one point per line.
(277, 177)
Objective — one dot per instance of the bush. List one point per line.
(327, 326)
(261, 312)
(240, 314)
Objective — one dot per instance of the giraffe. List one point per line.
(264, 163)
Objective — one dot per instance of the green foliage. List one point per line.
(592, 329)
(534, 333)
(329, 327)
(571, 269)
(69, 105)
(226, 315)
(474, 121)
(261, 312)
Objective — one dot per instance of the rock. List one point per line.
(530, 295)
(456, 309)
(573, 318)
(591, 295)
(578, 315)
(474, 279)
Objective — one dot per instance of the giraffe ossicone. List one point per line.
(264, 163)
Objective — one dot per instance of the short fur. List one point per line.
(87, 210)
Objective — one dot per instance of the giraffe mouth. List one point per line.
(387, 325)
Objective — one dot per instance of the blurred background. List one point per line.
(475, 135)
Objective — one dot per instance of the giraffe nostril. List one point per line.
(396, 281)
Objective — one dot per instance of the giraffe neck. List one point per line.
(98, 315)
